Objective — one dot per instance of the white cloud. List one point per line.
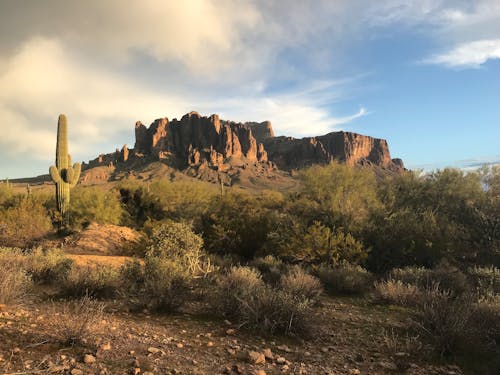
(468, 55)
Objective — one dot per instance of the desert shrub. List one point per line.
(444, 276)
(160, 284)
(97, 281)
(445, 321)
(24, 221)
(396, 292)
(5, 192)
(486, 319)
(75, 322)
(48, 266)
(270, 267)
(301, 285)
(345, 279)
(486, 280)
(242, 295)
(15, 283)
(94, 204)
(319, 243)
(178, 242)
(166, 284)
(237, 224)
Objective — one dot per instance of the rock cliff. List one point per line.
(205, 146)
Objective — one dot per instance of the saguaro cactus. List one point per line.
(63, 174)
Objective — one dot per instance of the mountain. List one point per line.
(217, 150)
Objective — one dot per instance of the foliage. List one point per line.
(242, 295)
(15, 283)
(97, 281)
(486, 280)
(24, 220)
(48, 266)
(301, 285)
(94, 204)
(344, 279)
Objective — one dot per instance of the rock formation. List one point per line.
(345, 147)
(206, 146)
(195, 139)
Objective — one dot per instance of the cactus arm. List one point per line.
(69, 175)
(77, 169)
(54, 173)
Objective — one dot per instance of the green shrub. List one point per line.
(301, 285)
(345, 279)
(166, 284)
(48, 266)
(97, 281)
(24, 221)
(94, 204)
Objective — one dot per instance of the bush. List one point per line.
(486, 280)
(94, 204)
(74, 322)
(444, 276)
(93, 281)
(178, 242)
(345, 279)
(445, 321)
(166, 284)
(301, 285)
(50, 266)
(270, 267)
(24, 221)
(242, 295)
(15, 283)
(396, 292)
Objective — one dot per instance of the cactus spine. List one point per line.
(63, 174)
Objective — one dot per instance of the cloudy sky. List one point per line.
(425, 75)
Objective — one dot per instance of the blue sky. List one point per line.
(422, 74)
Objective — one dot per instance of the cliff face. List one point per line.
(207, 144)
(195, 139)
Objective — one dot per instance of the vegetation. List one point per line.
(63, 174)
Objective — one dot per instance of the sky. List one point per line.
(425, 75)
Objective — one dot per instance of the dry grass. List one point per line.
(76, 322)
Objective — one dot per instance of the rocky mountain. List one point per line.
(208, 147)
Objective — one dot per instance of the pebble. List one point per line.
(88, 358)
(268, 354)
(76, 371)
(153, 350)
(281, 360)
(256, 357)
(106, 346)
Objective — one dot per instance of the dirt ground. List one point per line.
(352, 339)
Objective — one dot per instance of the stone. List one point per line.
(259, 372)
(88, 359)
(230, 332)
(256, 357)
(268, 354)
(153, 350)
(106, 346)
(76, 371)
(281, 360)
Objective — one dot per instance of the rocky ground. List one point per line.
(354, 337)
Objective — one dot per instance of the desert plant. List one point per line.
(270, 267)
(15, 282)
(48, 266)
(97, 281)
(486, 280)
(344, 279)
(63, 174)
(178, 242)
(242, 295)
(301, 285)
(396, 292)
(74, 322)
(166, 284)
